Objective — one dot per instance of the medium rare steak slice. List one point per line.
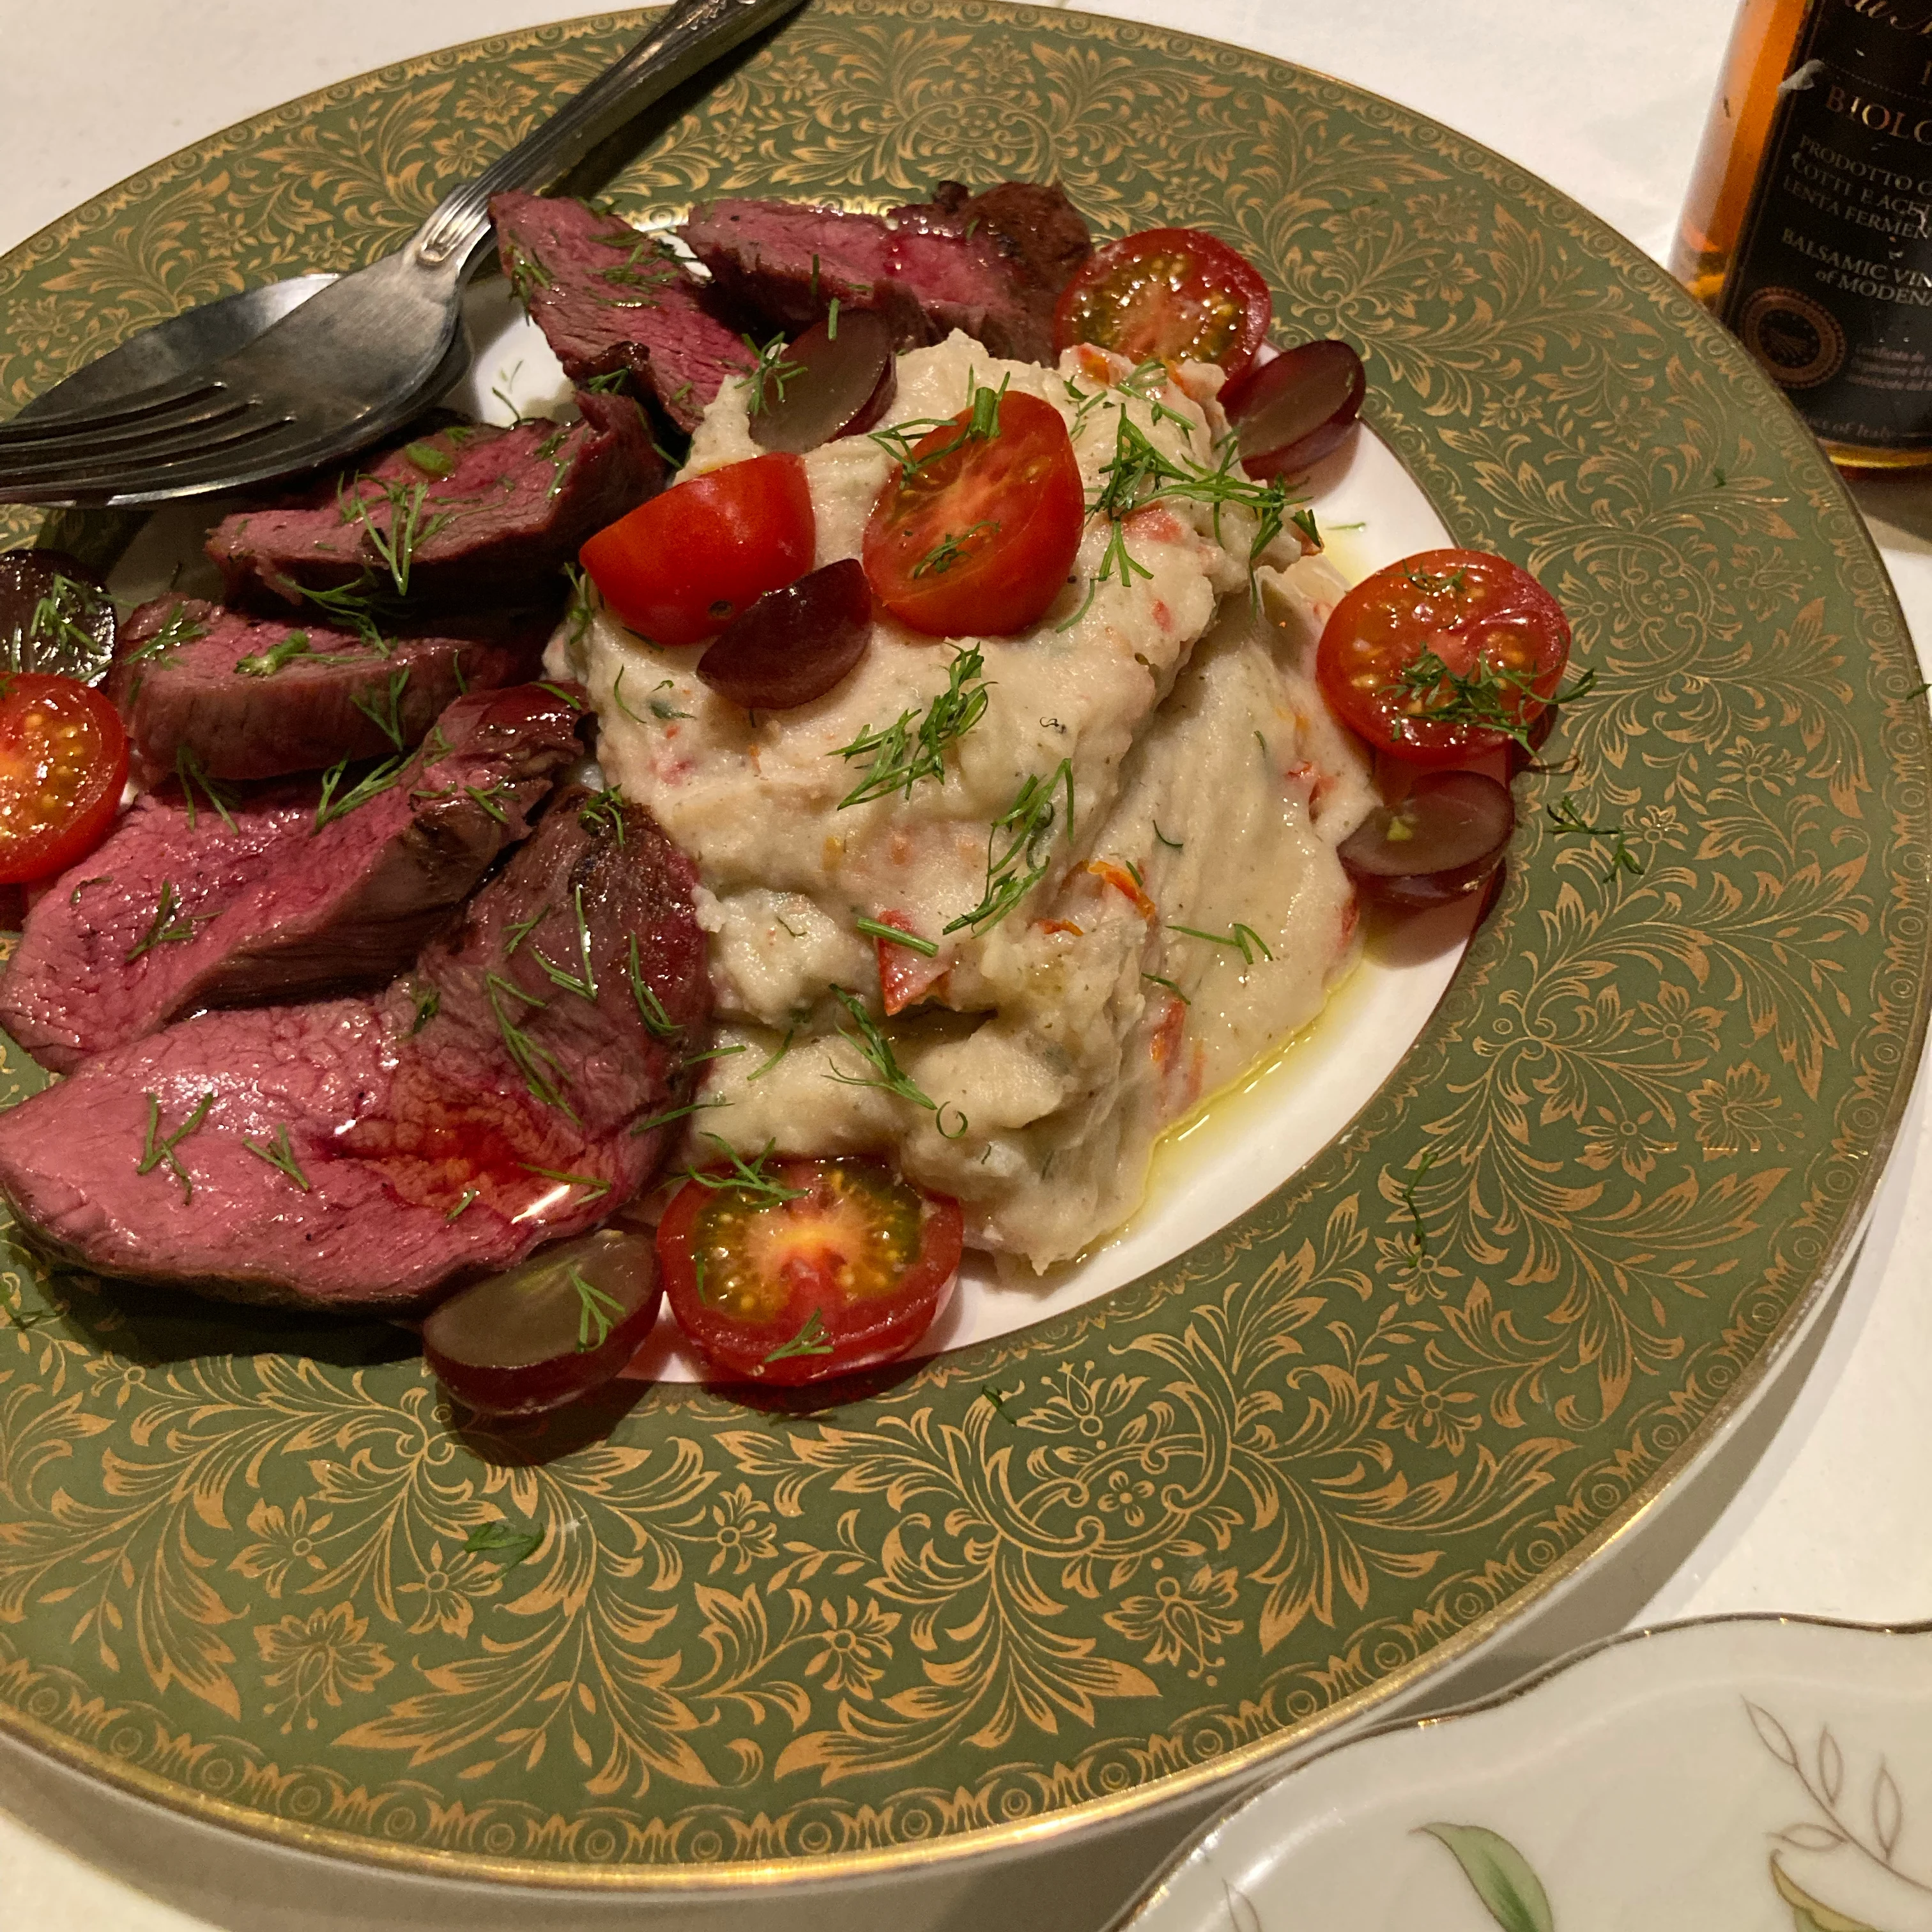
(362, 1153)
(607, 298)
(1042, 235)
(236, 696)
(936, 270)
(472, 515)
(195, 902)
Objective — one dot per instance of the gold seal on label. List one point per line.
(1798, 341)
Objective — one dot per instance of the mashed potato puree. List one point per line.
(1210, 788)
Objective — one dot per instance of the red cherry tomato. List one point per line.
(975, 536)
(63, 762)
(1171, 294)
(678, 568)
(1444, 656)
(849, 1270)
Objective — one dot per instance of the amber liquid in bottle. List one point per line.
(1807, 227)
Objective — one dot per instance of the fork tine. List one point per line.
(131, 443)
(144, 405)
(113, 470)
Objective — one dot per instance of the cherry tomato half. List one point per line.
(1174, 294)
(974, 537)
(63, 762)
(849, 1269)
(1444, 657)
(678, 568)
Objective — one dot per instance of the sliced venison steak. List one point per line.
(195, 900)
(935, 270)
(1043, 237)
(204, 689)
(363, 1153)
(607, 298)
(472, 515)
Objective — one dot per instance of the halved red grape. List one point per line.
(1441, 840)
(1292, 411)
(793, 645)
(840, 384)
(554, 1329)
(56, 615)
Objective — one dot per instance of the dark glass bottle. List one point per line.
(1808, 225)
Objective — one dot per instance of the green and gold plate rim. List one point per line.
(1333, 1448)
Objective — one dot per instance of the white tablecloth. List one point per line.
(1605, 101)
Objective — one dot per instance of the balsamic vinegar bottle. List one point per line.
(1808, 225)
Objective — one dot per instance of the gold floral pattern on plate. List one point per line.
(249, 1566)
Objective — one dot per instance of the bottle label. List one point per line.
(1831, 288)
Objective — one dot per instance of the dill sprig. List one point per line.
(178, 629)
(278, 1152)
(371, 784)
(540, 1067)
(191, 776)
(752, 1178)
(359, 606)
(1244, 939)
(810, 1340)
(769, 375)
(901, 755)
(583, 981)
(593, 1184)
(526, 273)
(897, 935)
(396, 545)
(981, 423)
(384, 709)
(499, 1539)
(1565, 817)
(665, 1120)
(658, 1023)
(464, 1201)
(1013, 872)
(595, 1308)
(950, 549)
(603, 813)
(1487, 697)
(873, 1047)
(159, 1148)
(169, 926)
(1419, 1240)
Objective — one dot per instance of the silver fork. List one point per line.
(360, 358)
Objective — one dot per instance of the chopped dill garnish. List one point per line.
(603, 813)
(279, 1153)
(1012, 873)
(594, 1185)
(1486, 698)
(539, 1066)
(1161, 837)
(887, 1075)
(499, 1539)
(526, 273)
(371, 784)
(677, 1114)
(901, 755)
(178, 629)
(752, 1178)
(396, 545)
(1160, 980)
(189, 776)
(160, 1147)
(428, 1003)
(595, 1308)
(895, 935)
(658, 1023)
(463, 1201)
(169, 926)
(1564, 817)
(1244, 939)
(583, 981)
(949, 549)
(770, 374)
(810, 1340)
(384, 709)
(784, 1047)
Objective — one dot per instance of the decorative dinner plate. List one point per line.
(1733, 1776)
(248, 1566)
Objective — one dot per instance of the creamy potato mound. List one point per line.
(1210, 787)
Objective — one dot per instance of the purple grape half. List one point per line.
(1291, 411)
(1441, 840)
(544, 1333)
(793, 645)
(828, 384)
